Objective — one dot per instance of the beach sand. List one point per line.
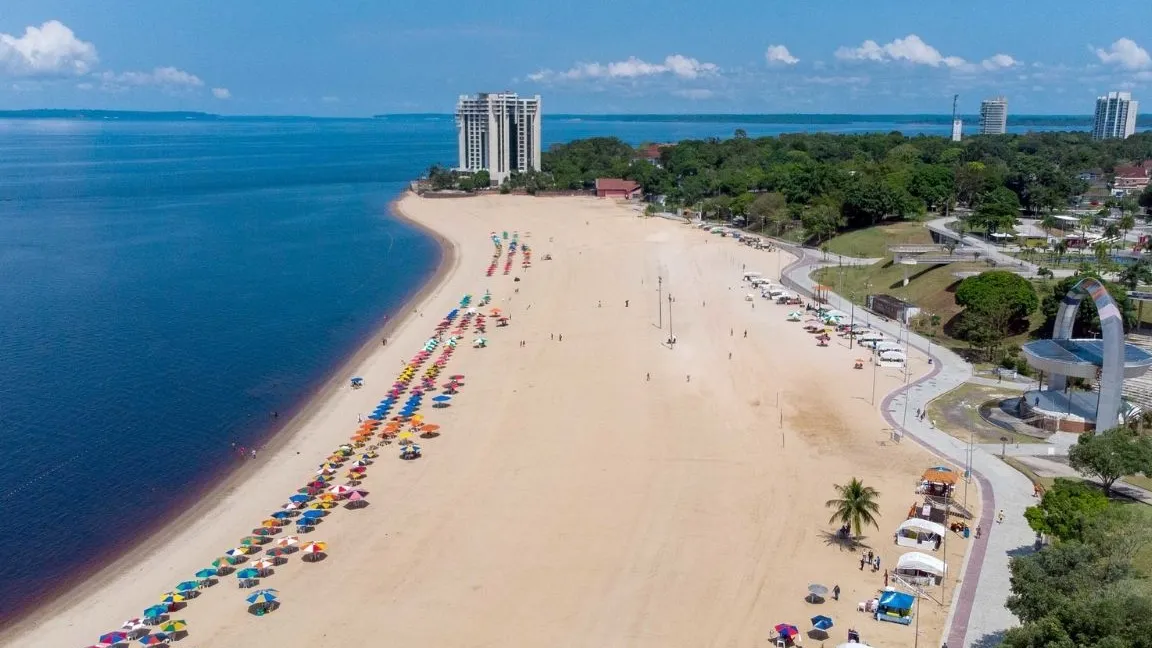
(570, 500)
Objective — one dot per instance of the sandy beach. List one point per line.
(599, 490)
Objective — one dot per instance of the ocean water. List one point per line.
(166, 286)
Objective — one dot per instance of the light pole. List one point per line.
(874, 363)
(670, 334)
(660, 300)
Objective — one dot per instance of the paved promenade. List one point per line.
(978, 616)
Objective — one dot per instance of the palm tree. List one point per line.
(855, 506)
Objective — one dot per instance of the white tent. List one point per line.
(893, 355)
(921, 562)
(922, 525)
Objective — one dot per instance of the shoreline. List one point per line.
(273, 442)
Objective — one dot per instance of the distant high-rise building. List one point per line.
(499, 132)
(957, 129)
(1115, 116)
(994, 116)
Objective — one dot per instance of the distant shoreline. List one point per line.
(1062, 121)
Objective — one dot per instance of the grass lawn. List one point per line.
(932, 288)
(873, 242)
(1045, 482)
(958, 413)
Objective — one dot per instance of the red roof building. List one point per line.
(617, 188)
(1133, 178)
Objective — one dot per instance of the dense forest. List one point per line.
(821, 183)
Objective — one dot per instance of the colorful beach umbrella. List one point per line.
(113, 637)
(313, 548)
(245, 574)
(298, 498)
(263, 596)
(154, 639)
(313, 514)
(821, 622)
(263, 564)
(187, 586)
(172, 597)
(174, 626)
(156, 611)
(787, 630)
(287, 541)
(206, 573)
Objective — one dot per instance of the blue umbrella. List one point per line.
(442, 398)
(156, 611)
(298, 498)
(280, 515)
(313, 513)
(821, 622)
(187, 586)
(206, 573)
(263, 596)
(304, 522)
(248, 573)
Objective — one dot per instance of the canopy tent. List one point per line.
(914, 561)
(922, 526)
(940, 475)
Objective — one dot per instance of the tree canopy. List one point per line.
(1111, 454)
(1067, 510)
(996, 305)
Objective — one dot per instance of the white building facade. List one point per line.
(498, 132)
(957, 129)
(1115, 116)
(994, 116)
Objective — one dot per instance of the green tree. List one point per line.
(768, 208)
(1145, 200)
(1136, 274)
(996, 211)
(482, 179)
(820, 222)
(855, 505)
(1067, 510)
(1111, 454)
(934, 184)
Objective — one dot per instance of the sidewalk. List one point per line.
(978, 616)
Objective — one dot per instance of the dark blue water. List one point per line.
(166, 286)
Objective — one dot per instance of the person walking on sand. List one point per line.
(835, 592)
(647, 377)
(689, 378)
(863, 556)
(626, 303)
(745, 333)
(359, 418)
(885, 578)
(552, 336)
(877, 563)
(561, 338)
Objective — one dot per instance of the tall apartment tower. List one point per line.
(500, 132)
(1115, 116)
(994, 116)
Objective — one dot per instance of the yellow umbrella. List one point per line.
(270, 523)
(172, 597)
(174, 626)
(322, 505)
(404, 436)
(313, 547)
(327, 497)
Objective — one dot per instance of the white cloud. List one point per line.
(910, 49)
(51, 49)
(999, 62)
(632, 68)
(1126, 54)
(694, 93)
(222, 93)
(779, 54)
(168, 77)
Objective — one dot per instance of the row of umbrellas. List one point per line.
(318, 495)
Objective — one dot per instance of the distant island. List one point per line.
(107, 115)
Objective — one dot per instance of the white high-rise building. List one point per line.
(500, 132)
(1115, 116)
(994, 116)
(957, 129)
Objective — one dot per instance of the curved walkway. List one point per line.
(978, 616)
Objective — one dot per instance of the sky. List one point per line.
(359, 58)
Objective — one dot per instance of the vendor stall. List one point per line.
(920, 568)
(895, 607)
(920, 533)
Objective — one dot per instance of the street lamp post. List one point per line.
(660, 300)
(670, 334)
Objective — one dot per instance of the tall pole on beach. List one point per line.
(660, 300)
(670, 334)
(874, 363)
(852, 324)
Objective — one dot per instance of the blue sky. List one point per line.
(357, 58)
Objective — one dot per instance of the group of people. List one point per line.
(867, 557)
